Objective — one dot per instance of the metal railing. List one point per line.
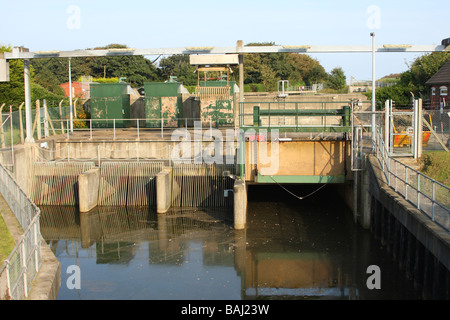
(426, 194)
(23, 263)
(159, 126)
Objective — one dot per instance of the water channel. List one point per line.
(291, 249)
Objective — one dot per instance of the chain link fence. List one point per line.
(439, 121)
(23, 263)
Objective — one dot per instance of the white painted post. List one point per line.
(372, 34)
(386, 126)
(70, 97)
(28, 118)
(46, 133)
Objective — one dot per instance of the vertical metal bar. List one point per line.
(8, 279)
(418, 190)
(28, 117)
(137, 129)
(46, 133)
(396, 176)
(432, 199)
(36, 258)
(114, 128)
(406, 182)
(24, 269)
(372, 34)
(12, 137)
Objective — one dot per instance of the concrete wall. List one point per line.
(421, 247)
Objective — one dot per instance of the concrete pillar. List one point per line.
(88, 186)
(164, 190)
(240, 205)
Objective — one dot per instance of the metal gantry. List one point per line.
(240, 49)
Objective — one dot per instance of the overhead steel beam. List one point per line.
(223, 50)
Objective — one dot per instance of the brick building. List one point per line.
(439, 85)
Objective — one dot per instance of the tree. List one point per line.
(422, 69)
(13, 91)
(267, 68)
(413, 80)
(51, 72)
(178, 65)
(336, 79)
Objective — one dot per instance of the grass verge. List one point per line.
(6, 241)
(436, 165)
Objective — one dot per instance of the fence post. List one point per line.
(8, 279)
(38, 119)
(12, 137)
(137, 129)
(432, 199)
(418, 190)
(20, 123)
(2, 137)
(46, 133)
(36, 246)
(24, 269)
(406, 182)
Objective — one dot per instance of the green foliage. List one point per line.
(106, 80)
(336, 79)
(268, 68)
(436, 165)
(40, 93)
(254, 87)
(13, 92)
(179, 66)
(55, 71)
(413, 81)
(398, 93)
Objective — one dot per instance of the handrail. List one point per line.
(437, 211)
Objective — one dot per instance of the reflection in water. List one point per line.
(291, 249)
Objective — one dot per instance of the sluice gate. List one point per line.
(128, 183)
(202, 185)
(133, 184)
(55, 182)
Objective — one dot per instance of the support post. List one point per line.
(419, 129)
(240, 204)
(386, 126)
(46, 132)
(28, 118)
(415, 128)
(239, 47)
(70, 97)
(372, 34)
(38, 119)
(21, 123)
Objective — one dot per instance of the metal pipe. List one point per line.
(70, 97)
(372, 34)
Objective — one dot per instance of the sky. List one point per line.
(80, 24)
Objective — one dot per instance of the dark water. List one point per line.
(291, 249)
